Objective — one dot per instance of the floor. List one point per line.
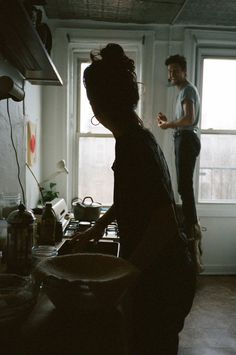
(210, 329)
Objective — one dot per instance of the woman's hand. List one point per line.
(81, 239)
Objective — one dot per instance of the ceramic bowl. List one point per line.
(85, 282)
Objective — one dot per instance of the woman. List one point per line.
(143, 207)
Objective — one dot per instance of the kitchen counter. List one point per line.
(49, 332)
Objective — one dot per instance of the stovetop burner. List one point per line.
(74, 226)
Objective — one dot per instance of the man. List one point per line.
(187, 147)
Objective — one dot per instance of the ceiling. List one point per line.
(179, 12)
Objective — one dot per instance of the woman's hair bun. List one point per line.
(114, 55)
(111, 80)
(112, 52)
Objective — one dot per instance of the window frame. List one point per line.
(211, 53)
(200, 44)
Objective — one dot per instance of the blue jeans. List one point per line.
(187, 148)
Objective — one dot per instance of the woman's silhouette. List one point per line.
(144, 208)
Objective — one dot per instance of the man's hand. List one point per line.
(162, 121)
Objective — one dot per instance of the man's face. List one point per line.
(176, 75)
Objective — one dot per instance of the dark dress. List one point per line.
(164, 292)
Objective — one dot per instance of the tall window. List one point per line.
(96, 151)
(96, 146)
(217, 174)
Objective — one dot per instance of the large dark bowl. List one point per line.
(85, 282)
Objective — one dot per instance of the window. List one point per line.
(217, 170)
(95, 144)
(96, 150)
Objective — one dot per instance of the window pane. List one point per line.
(217, 174)
(86, 112)
(218, 95)
(96, 156)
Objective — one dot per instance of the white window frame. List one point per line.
(81, 42)
(200, 44)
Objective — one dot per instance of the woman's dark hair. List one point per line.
(111, 81)
(177, 59)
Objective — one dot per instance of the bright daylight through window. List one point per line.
(217, 174)
(96, 152)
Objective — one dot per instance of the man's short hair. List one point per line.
(177, 59)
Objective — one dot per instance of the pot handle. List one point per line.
(86, 197)
(75, 199)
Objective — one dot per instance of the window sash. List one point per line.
(223, 175)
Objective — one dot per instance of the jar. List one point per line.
(40, 252)
(20, 231)
(10, 202)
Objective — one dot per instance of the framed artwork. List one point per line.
(31, 143)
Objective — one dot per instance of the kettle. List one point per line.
(86, 210)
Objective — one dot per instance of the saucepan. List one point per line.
(86, 210)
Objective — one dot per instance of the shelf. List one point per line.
(22, 46)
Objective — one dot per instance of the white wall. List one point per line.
(33, 113)
(8, 181)
(20, 112)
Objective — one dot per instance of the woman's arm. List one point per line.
(108, 217)
(96, 232)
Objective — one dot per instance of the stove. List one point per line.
(74, 226)
(108, 244)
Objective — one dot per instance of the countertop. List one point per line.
(47, 331)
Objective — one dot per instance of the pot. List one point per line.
(86, 210)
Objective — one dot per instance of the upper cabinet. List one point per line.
(21, 45)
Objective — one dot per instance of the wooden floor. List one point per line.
(210, 329)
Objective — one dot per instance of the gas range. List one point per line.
(108, 244)
(74, 226)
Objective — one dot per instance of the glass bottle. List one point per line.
(47, 226)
